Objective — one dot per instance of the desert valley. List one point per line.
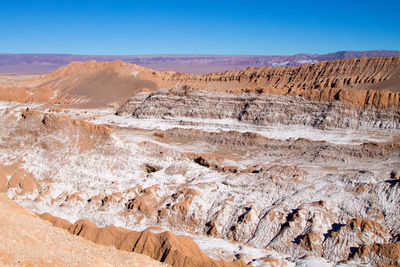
(264, 166)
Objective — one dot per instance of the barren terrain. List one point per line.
(271, 166)
(27, 240)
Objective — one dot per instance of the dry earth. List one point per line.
(27, 240)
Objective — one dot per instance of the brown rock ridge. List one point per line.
(27, 240)
(387, 254)
(84, 134)
(234, 139)
(20, 179)
(195, 107)
(165, 247)
(356, 232)
(364, 81)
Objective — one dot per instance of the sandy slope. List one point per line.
(27, 240)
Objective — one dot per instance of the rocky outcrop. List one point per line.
(16, 178)
(235, 139)
(194, 107)
(22, 94)
(356, 232)
(387, 254)
(346, 80)
(13, 93)
(165, 247)
(81, 134)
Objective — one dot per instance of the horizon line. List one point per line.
(172, 54)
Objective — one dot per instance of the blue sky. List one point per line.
(198, 27)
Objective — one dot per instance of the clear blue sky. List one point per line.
(198, 27)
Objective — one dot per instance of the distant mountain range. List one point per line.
(44, 63)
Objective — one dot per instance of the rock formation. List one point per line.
(372, 81)
(164, 247)
(379, 254)
(194, 107)
(293, 165)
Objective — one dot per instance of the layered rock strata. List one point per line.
(199, 107)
